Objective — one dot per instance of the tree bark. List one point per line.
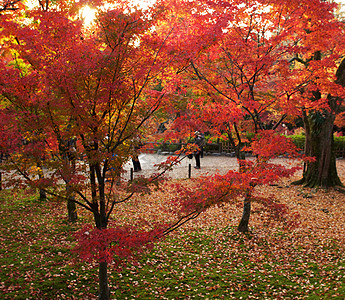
(72, 209)
(71, 205)
(101, 221)
(104, 292)
(244, 223)
(319, 144)
(43, 195)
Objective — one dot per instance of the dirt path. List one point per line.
(209, 165)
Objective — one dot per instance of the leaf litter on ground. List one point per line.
(206, 258)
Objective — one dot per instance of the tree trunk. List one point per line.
(43, 195)
(244, 223)
(319, 144)
(72, 209)
(71, 205)
(104, 292)
(101, 222)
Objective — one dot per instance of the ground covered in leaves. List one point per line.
(206, 258)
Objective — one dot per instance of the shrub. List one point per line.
(339, 143)
(298, 140)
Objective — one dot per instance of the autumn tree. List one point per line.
(239, 68)
(209, 191)
(317, 72)
(230, 71)
(83, 94)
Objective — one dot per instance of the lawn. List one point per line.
(207, 258)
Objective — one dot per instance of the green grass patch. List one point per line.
(199, 266)
(220, 263)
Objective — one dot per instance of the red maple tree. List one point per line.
(77, 102)
(241, 76)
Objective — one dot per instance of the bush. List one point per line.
(211, 147)
(298, 140)
(339, 142)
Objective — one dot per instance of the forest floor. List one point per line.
(205, 259)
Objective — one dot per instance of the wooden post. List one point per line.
(189, 171)
(131, 175)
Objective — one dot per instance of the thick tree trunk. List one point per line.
(68, 153)
(71, 205)
(240, 155)
(104, 292)
(319, 144)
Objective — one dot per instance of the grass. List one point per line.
(206, 262)
(36, 260)
(217, 268)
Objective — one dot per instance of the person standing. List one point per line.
(135, 157)
(199, 142)
(136, 163)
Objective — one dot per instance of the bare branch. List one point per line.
(7, 5)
